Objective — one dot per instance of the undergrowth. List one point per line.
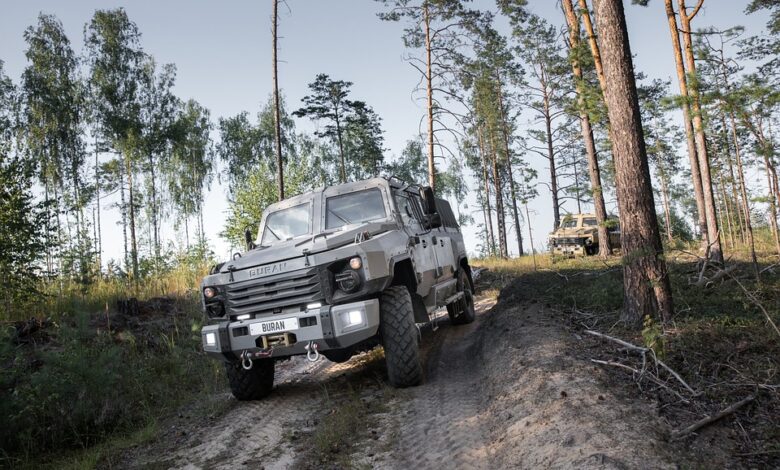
(88, 377)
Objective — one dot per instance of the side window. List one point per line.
(409, 209)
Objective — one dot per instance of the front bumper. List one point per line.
(331, 327)
(568, 250)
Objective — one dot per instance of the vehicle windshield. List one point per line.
(589, 222)
(287, 223)
(569, 223)
(354, 208)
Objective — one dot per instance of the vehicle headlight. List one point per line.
(348, 281)
(209, 292)
(211, 339)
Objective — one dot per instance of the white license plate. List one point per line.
(273, 326)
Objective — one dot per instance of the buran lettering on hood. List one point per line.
(267, 269)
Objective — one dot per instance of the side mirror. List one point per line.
(434, 220)
(250, 243)
(429, 201)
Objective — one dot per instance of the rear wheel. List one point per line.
(462, 310)
(400, 337)
(252, 384)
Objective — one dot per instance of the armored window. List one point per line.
(589, 222)
(287, 223)
(569, 223)
(354, 208)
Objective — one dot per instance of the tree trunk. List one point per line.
(530, 233)
(698, 191)
(131, 200)
(123, 200)
(155, 221)
(646, 287)
(587, 131)
(429, 89)
(667, 209)
(343, 169)
(502, 251)
(277, 111)
(99, 237)
(551, 158)
(743, 192)
(594, 46)
(486, 178)
(710, 208)
(505, 133)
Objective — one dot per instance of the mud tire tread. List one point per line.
(252, 384)
(400, 338)
(452, 309)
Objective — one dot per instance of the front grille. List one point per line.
(274, 293)
(569, 241)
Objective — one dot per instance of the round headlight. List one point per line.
(209, 292)
(356, 263)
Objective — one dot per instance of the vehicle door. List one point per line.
(420, 245)
(443, 242)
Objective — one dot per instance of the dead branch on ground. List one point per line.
(707, 420)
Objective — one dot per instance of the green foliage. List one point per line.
(352, 127)
(78, 383)
(652, 335)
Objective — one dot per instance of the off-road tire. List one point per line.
(462, 311)
(338, 355)
(252, 384)
(400, 337)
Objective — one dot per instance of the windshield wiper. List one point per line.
(273, 233)
(339, 216)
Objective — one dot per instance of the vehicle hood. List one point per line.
(297, 247)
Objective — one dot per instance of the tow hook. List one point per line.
(312, 353)
(246, 357)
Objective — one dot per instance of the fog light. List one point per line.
(350, 319)
(209, 292)
(211, 339)
(356, 263)
(313, 306)
(243, 317)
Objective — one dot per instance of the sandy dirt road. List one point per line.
(508, 391)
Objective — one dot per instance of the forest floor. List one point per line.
(515, 389)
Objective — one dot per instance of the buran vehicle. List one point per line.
(337, 271)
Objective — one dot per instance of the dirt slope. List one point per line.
(509, 391)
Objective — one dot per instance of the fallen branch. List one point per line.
(644, 350)
(719, 274)
(639, 374)
(707, 420)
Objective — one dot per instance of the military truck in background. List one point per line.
(578, 235)
(336, 271)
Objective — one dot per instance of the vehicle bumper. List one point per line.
(569, 250)
(331, 327)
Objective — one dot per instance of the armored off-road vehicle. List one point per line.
(578, 234)
(336, 271)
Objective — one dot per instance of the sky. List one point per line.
(222, 51)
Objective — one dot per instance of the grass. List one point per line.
(94, 381)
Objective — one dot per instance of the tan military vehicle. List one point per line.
(578, 235)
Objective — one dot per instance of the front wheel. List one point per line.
(400, 337)
(252, 384)
(462, 311)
